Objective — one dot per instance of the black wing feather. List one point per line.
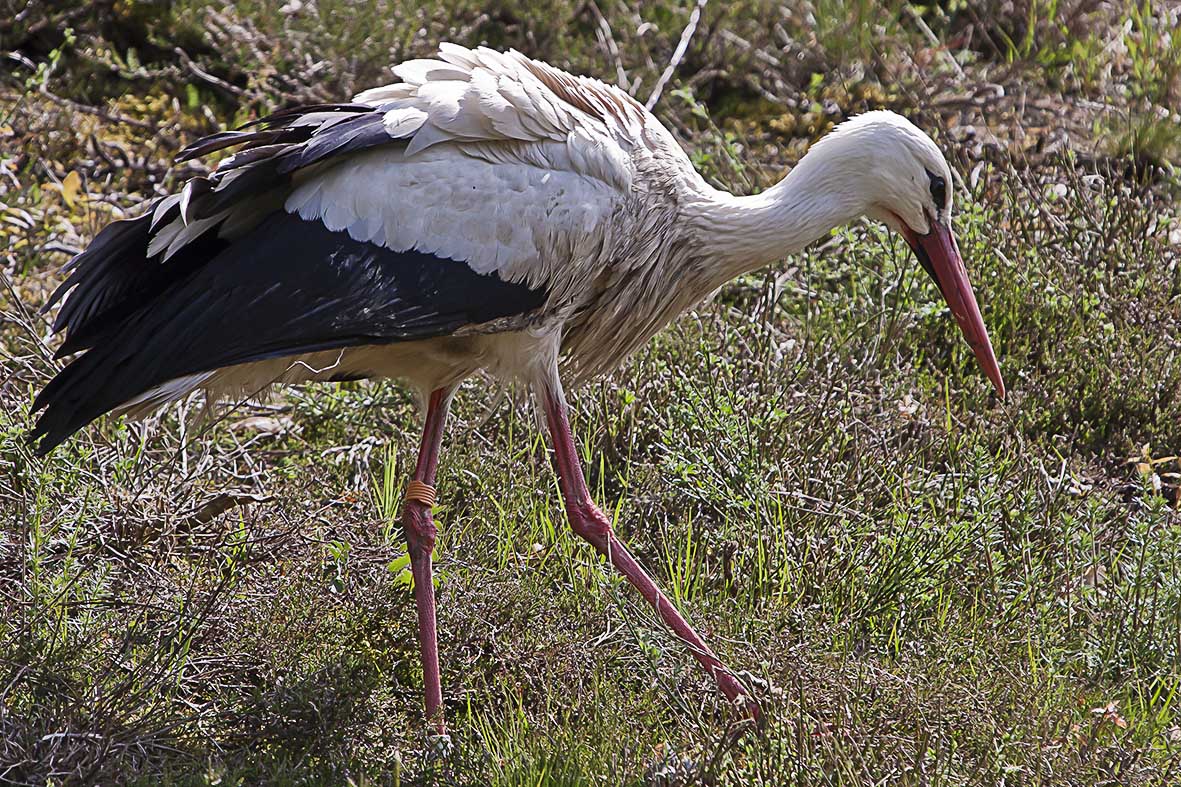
(287, 287)
(114, 275)
(228, 139)
(119, 278)
(347, 136)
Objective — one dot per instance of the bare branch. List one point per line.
(678, 54)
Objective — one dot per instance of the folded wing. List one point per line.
(286, 288)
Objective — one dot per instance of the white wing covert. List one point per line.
(495, 160)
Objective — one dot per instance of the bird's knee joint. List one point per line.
(420, 527)
(417, 519)
(587, 521)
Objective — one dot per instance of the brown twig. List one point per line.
(934, 41)
(111, 117)
(205, 76)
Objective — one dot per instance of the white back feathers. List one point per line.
(482, 95)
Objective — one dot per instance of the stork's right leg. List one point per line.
(420, 530)
(592, 525)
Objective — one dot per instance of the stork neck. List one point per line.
(742, 234)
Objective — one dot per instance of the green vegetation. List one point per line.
(926, 586)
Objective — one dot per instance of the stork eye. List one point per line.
(938, 190)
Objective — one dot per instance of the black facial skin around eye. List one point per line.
(938, 190)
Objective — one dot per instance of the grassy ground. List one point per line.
(926, 585)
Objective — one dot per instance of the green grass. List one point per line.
(924, 584)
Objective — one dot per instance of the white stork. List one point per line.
(486, 211)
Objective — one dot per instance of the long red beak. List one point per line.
(940, 256)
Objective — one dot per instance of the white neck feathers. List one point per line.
(742, 234)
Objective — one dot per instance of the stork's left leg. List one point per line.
(420, 539)
(592, 524)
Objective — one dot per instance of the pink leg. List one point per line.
(591, 524)
(420, 537)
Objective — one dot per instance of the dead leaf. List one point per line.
(1093, 577)
(1110, 712)
(71, 187)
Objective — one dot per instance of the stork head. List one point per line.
(902, 180)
